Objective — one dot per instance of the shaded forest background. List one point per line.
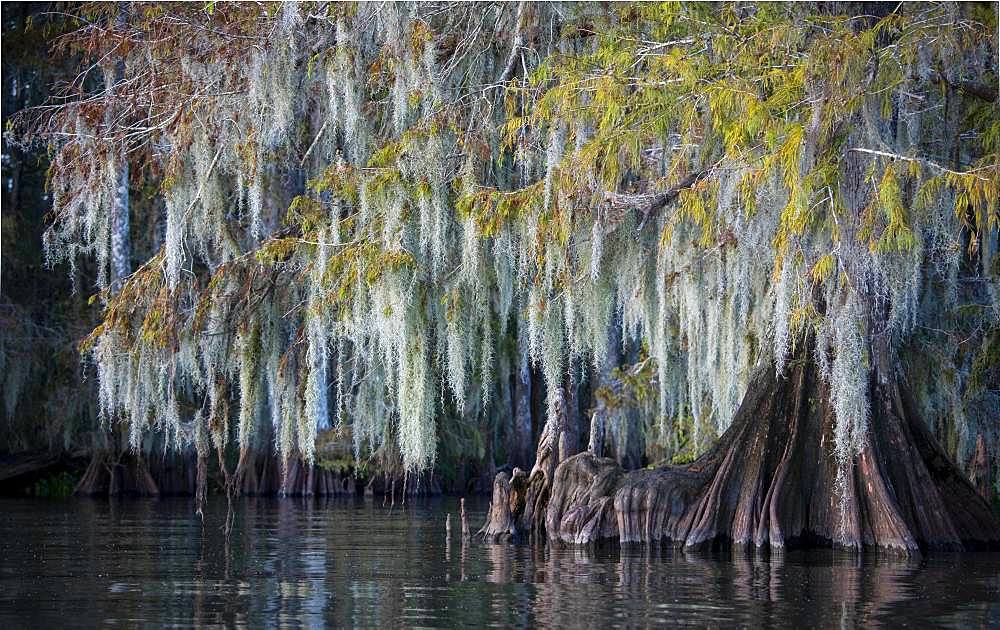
(49, 407)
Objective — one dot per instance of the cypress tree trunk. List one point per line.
(628, 451)
(112, 470)
(521, 443)
(595, 443)
(598, 436)
(520, 500)
(773, 481)
(121, 247)
(979, 469)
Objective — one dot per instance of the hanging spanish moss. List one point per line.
(747, 225)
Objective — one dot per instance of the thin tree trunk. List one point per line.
(112, 470)
(599, 413)
(630, 448)
(595, 443)
(522, 404)
(115, 471)
(121, 249)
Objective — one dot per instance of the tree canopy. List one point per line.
(362, 212)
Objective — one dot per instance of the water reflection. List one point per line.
(342, 562)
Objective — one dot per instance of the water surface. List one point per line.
(343, 562)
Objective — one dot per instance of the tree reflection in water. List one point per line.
(354, 563)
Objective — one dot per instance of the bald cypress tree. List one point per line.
(784, 207)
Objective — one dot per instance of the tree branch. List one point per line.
(647, 204)
(923, 162)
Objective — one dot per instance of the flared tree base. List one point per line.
(125, 474)
(773, 480)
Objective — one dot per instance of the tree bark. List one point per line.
(629, 450)
(599, 414)
(979, 469)
(121, 247)
(569, 440)
(595, 443)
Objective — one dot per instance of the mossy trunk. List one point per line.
(773, 481)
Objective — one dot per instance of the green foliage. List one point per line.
(58, 485)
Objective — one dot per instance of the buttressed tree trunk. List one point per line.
(520, 500)
(772, 481)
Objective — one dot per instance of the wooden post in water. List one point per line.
(447, 527)
(465, 537)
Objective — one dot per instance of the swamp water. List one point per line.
(344, 562)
